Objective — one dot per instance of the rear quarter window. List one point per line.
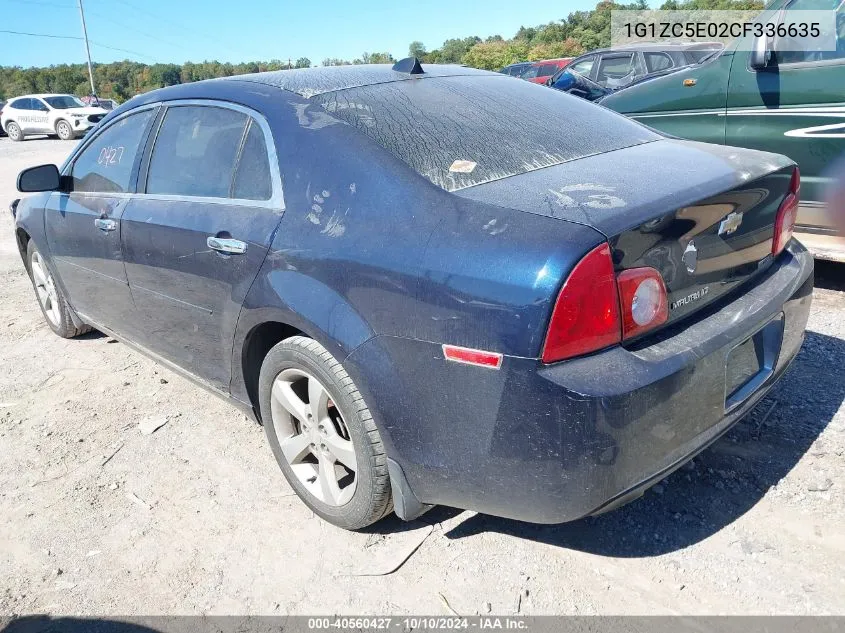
(463, 131)
(252, 176)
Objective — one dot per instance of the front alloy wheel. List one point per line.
(64, 130)
(45, 289)
(59, 315)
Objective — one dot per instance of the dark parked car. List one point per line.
(516, 70)
(426, 289)
(2, 131)
(603, 71)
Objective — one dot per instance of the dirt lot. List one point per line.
(98, 518)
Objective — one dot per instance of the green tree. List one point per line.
(376, 58)
(416, 49)
(303, 62)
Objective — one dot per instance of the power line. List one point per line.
(44, 4)
(181, 27)
(135, 30)
(102, 16)
(73, 37)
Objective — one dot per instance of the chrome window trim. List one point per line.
(276, 201)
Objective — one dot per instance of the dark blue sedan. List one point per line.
(425, 288)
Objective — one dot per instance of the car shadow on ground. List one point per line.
(93, 335)
(830, 275)
(721, 484)
(47, 624)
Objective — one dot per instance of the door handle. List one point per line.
(104, 224)
(226, 245)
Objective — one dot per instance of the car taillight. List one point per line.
(787, 213)
(645, 304)
(586, 315)
(597, 308)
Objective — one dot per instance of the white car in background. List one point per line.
(64, 116)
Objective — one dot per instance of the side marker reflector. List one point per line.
(472, 356)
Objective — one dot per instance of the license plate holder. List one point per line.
(752, 362)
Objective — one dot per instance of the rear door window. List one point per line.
(656, 62)
(615, 66)
(583, 67)
(106, 165)
(195, 152)
(616, 71)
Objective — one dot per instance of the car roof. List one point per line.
(42, 95)
(656, 47)
(548, 61)
(308, 82)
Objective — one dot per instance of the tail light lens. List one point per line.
(787, 213)
(586, 314)
(596, 308)
(642, 295)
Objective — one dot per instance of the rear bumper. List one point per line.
(554, 443)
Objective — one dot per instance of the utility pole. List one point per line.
(87, 49)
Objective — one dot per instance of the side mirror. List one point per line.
(761, 53)
(41, 178)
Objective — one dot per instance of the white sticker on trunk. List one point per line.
(462, 167)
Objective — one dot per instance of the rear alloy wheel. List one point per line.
(14, 131)
(313, 437)
(55, 309)
(322, 434)
(64, 130)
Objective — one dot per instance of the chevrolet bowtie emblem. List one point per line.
(730, 224)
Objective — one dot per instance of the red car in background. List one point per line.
(540, 71)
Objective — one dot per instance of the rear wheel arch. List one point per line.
(257, 344)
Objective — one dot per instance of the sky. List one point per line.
(250, 30)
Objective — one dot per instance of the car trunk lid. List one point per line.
(702, 215)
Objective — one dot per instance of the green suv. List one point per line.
(753, 95)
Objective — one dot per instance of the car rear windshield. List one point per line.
(64, 103)
(464, 131)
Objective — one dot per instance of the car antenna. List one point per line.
(410, 65)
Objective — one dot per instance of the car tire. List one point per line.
(14, 131)
(51, 299)
(64, 130)
(345, 423)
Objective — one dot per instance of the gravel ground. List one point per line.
(98, 518)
